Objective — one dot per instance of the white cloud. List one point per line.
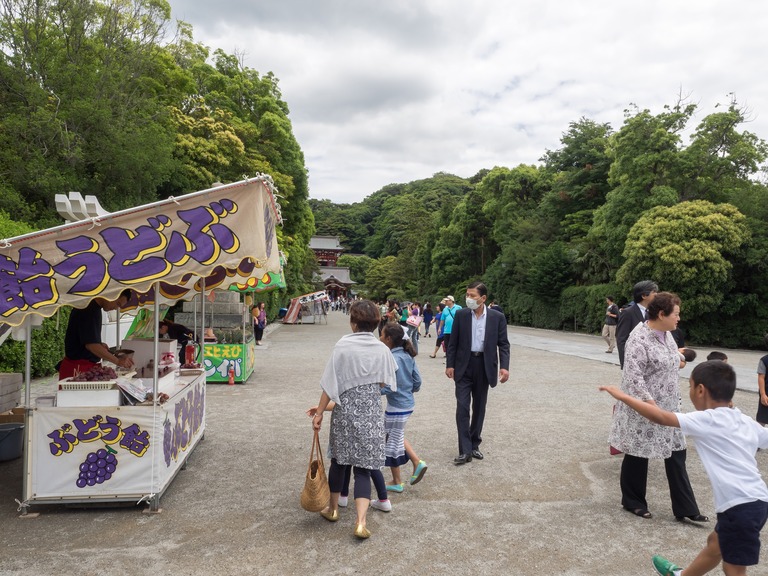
(384, 92)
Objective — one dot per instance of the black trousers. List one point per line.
(471, 395)
(634, 478)
(336, 479)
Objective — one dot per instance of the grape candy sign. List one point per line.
(226, 234)
(98, 451)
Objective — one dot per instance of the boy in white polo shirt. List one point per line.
(726, 441)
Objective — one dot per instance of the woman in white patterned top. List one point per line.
(651, 373)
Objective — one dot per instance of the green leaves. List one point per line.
(686, 249)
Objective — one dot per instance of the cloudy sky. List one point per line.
(390, 91)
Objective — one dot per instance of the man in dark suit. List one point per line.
(477, 355)
(629, 317)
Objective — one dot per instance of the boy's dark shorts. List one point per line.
(738, 532)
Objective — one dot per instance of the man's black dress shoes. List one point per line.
(477, 454)
(462, 459)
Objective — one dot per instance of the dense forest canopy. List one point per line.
(110, 98)
(113, 98)
(606, 209)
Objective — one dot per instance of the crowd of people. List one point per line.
(648, 423)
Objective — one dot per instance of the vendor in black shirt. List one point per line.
(177, 332)
(83, 347)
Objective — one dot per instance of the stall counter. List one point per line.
(113, 453)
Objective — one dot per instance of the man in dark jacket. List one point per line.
(476, 359)
(629, 317)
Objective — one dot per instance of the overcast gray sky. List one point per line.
(389, 91)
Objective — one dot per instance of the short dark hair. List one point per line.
(716, 355)
(365, 315)
(717, 377)
(611, 298)
(643, 289)
(662, 302)
(689, 354)
(127, 294)
(481, 288)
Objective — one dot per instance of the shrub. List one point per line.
(47, 347)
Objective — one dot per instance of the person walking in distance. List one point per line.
(609, 325)
(449, 314)
(438, 329)
(477, 358)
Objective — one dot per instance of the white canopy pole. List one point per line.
(156, 352)
(28, 364)
(202, 321)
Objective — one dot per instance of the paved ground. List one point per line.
(544, 501)
(593, 348)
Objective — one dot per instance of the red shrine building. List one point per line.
(327, 249)
(336, 280)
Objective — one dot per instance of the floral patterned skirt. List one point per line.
(357, 428)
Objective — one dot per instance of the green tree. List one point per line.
(80, 108)
(579, 176)
(381, 280)
(519, 229)
(686, 250)
(465, 246)
(234, 122)
(11, 228)
(358, 266)
(720, 160)
(551, 272)
(646, 159)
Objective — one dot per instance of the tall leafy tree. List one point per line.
(234, 123)
(381, 279)
(645, 160)
(358, 266)
(686, 249)
(579, 178)
(79, 107)
(720, 160)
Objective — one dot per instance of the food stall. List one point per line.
(231, 358)
(308, 309)
(125, 437)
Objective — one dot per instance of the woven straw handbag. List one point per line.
(316, 493)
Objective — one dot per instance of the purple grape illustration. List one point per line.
(167, 441)
(97, 467)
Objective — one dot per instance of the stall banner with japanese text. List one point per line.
(219, 358)
(226, 234)
(96, 452)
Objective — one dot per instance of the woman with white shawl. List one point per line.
(359, 366)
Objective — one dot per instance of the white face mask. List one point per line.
(472, 304)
